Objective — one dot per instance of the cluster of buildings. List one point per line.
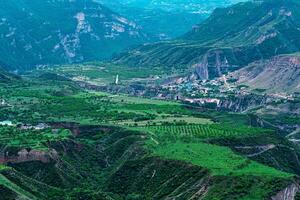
(203, 101)
(40, 126)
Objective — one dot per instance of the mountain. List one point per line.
(278, 74)
(200, 6)
(40, 32)
(165, 19)
(228, 40)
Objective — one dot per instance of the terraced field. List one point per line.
(206, 131)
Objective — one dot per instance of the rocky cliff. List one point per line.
(228, 40)
(279, 74)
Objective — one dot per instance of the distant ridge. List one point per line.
(228, 40)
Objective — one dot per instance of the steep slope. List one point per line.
(279, 74)
(39, 32)
(229, 39)
(166, 18)
(117, 166)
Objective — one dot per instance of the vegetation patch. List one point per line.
(205, 131)
(34, 139)
(220, 160)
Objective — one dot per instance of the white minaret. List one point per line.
(117, 80)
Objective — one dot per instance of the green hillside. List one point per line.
(211, 115)
(229, 39)
(166, 19)
(102, 146)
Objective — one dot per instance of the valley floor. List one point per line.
(59, 141)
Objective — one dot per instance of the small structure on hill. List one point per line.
(117, 79)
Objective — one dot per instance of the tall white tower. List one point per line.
(117, 79)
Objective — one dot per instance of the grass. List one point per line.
(35, 139)
(126, 99)
(36, 102)
(3, 167)
(104, 73)
(174, 131)
(220, 160)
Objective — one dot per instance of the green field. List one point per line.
(105, 73)
(34, 139)
(206, 131)
(3, 167)
(34, 102)
(220, 160)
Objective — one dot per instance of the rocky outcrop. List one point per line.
(25, 155)
(278, 74)
(288, 193)
(243, 102)
(213, 64)
(251, 31)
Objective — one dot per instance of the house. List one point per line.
(203, 100)
(41, 126)
(6, 123)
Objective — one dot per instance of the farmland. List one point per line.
(105, 73)
(220, 160)
(105, 132)
(206, 131)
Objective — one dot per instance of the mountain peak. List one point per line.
(239, 34)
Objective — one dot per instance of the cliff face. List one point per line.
(25, 155)
(243, 103)
(230, 38)
(288, 193)
(213, 64)
(278, 74)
